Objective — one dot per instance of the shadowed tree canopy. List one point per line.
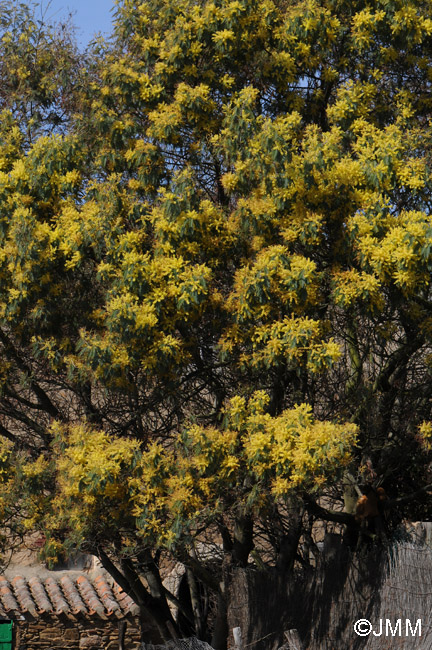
(215, 301)
(38, 69)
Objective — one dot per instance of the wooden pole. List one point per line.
(293, 640)
(121, 634)
(238, 641)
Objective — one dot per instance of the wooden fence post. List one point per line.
(238, 641)
(293, 640)
(121, 634)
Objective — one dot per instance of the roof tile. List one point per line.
(8, 600)
(126, 603)
(70, 595)
(23, 595)
(56, 596)
(106, 595)
(39, 595)
(89, 596)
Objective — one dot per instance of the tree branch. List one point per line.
(329, 515)
(408, 498)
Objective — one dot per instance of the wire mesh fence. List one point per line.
(179, 644)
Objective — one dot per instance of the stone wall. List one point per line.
(55, 634)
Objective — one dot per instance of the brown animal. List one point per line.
(369, 511)
(369, 505)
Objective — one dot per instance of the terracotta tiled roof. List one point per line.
(71, 595)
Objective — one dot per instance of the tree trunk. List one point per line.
(243, 540)
(220, 630)
(151, 605)
(196, 604)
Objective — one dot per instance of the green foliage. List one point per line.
(165, 494)
(215, 286)
(38, 69)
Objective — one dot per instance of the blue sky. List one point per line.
(89, 16)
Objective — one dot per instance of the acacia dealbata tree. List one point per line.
(215, 302)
